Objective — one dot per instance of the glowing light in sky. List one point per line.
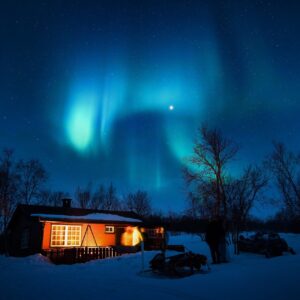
(80, 126)
(81, 119)
(180, 138)
(109, 93)
(111, 103)
(118, 90)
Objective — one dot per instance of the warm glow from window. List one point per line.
(109, 229)
(160, 230)
(131, 236)
(155, 232)
(65, 235)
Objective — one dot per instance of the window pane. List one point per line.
(65, 235)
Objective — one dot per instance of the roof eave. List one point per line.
(85, 221)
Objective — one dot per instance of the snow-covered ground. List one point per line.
(247, 276)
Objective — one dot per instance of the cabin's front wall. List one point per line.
(91, 235)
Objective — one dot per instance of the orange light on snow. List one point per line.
(131, 236)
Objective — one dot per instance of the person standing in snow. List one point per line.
(216, 239)
(212, 239)
(222, 242)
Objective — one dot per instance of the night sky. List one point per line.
(113, 91)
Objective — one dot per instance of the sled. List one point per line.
(180, 265)
(268, 244)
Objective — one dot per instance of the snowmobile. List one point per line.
(269, 244)
(179, 265)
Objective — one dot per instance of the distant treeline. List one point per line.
(190, 225)
(213, 190)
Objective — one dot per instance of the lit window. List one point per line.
(109, 229)
(131, 236)
(65, 235)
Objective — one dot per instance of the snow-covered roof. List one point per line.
(89, 217)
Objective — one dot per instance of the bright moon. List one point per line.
(171, 107)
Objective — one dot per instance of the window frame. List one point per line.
(65, 236)
(107, 227)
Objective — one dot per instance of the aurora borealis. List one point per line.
(113, 91)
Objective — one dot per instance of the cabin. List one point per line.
(67, 234)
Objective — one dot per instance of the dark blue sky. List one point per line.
(107, 91)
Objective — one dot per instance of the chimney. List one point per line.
(66, 202)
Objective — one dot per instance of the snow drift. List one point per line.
(247, 276)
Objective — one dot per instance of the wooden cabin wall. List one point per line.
(34, 230)
(101, 237)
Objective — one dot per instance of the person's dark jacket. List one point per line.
(215, 232)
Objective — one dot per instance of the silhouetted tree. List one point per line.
(139, 202)
(212, 153)
(32, 176)
(285, 167)
(9, 182)
(48, 197)
(111, 201)
(194, 208)
(98, 198)
(84, 196)
(242, 194)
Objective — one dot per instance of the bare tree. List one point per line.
(32, 176)
(285, 167)
(84, 196)
(48, 197)
(111, 201)
(8, 187)
(242, 194)
(194, 208)
(98, 198)
(139, 203)
(211, 154)
(8, 191)
(202, 200)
